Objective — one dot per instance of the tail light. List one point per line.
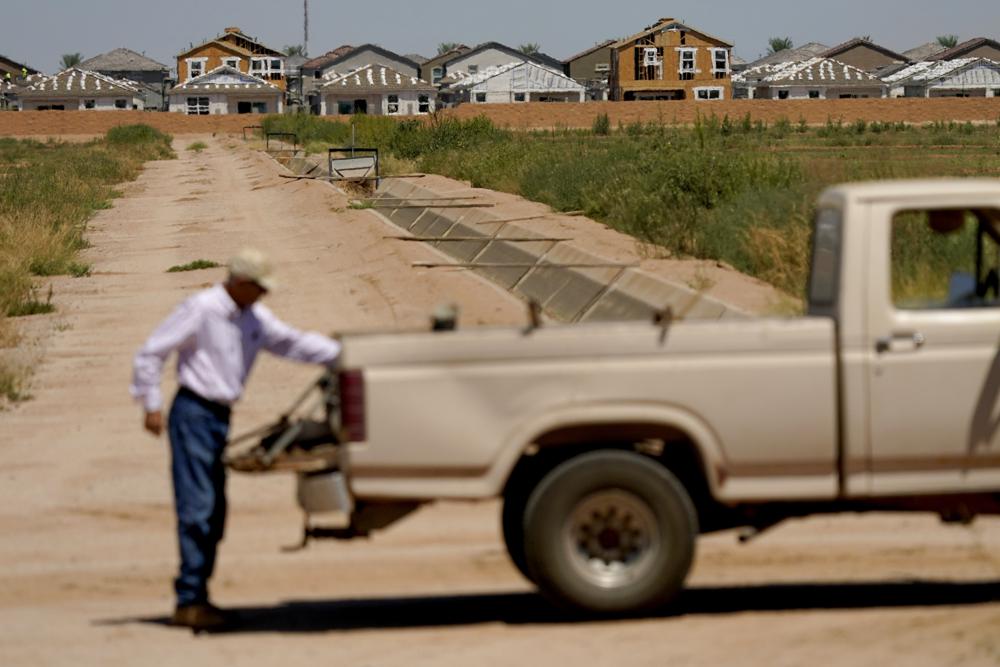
(352, 406)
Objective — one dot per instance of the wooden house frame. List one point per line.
(233, 49)
(671, 61)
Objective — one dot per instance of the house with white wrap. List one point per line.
(379, 90)
(517, 82)
(816, 78)
(964, 77)
(226, 90)
(79, 89)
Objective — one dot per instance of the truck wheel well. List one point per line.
(671, 447)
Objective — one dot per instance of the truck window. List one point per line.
(825, 276)
(945, 258)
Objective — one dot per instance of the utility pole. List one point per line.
(305, 39)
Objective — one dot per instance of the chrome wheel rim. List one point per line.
(612, 538)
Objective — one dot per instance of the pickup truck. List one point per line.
(613, 445)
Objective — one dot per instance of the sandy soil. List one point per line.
(88, 548)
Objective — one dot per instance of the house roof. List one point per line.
(931, 70)
(540, 58)
(668, 24)
(442, 58)
(320, 62)
(417, 58)
(860, 41)
(122, 60)
(796, 54)
(13, 64)
(237, 33)
(349, 52)
(596, 47)
(232, 48)
(375, 78)
(535, 77)
(225, 78)
(822, 71)
(963, 48)
(923, 52)
(76, 82)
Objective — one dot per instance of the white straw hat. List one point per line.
(251, 264)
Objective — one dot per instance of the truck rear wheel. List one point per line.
(610, 531)
(512, 525)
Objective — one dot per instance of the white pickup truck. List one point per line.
(614, 445)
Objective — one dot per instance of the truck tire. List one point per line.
(512, 525)
(610, 532)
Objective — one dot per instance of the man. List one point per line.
(217, 334)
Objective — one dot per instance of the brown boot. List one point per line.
(202, 616)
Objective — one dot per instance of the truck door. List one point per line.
(934, 355)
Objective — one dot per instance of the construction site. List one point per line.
(89, 548)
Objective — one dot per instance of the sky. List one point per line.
(38, 32)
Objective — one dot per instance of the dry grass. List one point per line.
(49, 192)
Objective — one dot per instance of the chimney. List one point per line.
(232, 30)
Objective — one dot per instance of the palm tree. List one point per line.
(295, 50)
(530, 49)
(776, 44)
(445, 47)
(948, 41)
(71, 60)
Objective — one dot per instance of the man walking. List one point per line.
(217, 334)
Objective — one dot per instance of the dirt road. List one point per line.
(88, 551)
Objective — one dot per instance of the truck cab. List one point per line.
(908, 271)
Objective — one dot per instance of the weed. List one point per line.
(196, 265)
(78, 269)
(360, 205)
(13, 383)
(32, 306)
(197, 146)
(602, 125)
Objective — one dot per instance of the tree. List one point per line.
(295, 50)
(445, 47)
(776, 44)
(948, 41)
(71, 60)
(530, 49)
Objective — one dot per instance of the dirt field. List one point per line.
(88, 548)
(543, 115)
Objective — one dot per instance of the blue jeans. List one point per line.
(198, 432)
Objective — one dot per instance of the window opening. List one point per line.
(945, 258)
(648, 63)
(197, 106)
(686, 65)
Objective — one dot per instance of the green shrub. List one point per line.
(602, 125)
(196, 265)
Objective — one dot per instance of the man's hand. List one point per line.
(154, 422)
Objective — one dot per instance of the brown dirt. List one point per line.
(88, 549)
(544, 115)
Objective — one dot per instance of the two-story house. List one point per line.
(671, 61)
(592, 68)
(152, 76)
(235, 50)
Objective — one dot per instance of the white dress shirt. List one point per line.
(216, 345)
